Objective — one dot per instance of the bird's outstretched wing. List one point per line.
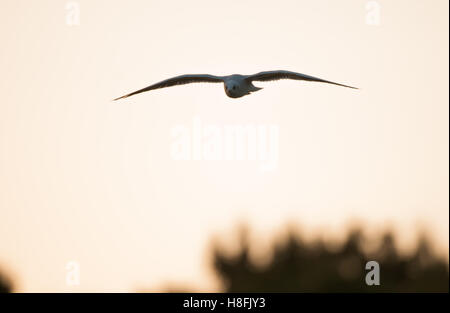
(179, 80)
(276, 75)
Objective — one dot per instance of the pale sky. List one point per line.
(89, 180)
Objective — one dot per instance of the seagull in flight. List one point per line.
(235, 85)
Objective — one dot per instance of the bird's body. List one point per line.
(235, 85)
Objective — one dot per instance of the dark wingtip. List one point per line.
(347, 86)
(337, 84)
(120, 98)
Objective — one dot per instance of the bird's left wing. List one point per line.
(276, 75)
(179, 80)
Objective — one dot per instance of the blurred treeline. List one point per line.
(5, 284)
(300, 266)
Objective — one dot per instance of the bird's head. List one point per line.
(233, 90)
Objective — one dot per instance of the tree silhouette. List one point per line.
(5, 285)
(297, 266)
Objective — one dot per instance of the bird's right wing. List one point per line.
(276, 75)
(179, 80)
